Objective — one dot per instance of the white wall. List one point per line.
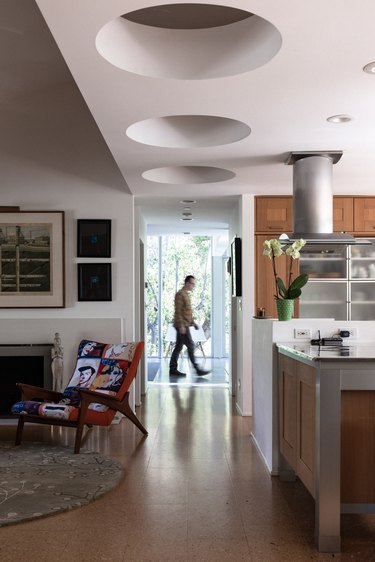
(243, 307)
(140, 237)
(71, 330)
(80, 200)
(53, 157)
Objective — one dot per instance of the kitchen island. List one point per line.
(327, 430)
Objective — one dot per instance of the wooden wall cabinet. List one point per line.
(343, 219)
(273, 214)
(364, 215)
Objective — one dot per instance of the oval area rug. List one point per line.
(37, 480)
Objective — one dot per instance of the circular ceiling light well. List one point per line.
(188, 131)
(188, 174)
(369, 68)
(342, 118)
(184, 16)
(184, 41)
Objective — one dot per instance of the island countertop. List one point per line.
(344, 352)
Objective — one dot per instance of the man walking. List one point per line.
(183, 319)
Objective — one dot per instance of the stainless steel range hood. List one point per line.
(313, 200)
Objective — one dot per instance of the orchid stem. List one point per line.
(290, 271)
(274, 273)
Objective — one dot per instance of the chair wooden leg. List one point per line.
(81, 423)
(77, 443)
(128, 412)
(20, 425)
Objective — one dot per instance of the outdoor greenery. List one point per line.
(179, 256)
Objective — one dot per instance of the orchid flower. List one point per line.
(273, 249)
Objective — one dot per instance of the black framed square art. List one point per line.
(94, 282)
(94, 238)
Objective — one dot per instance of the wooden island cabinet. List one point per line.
(327, 429)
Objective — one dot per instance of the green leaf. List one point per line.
(299, 281)
(294, 293)
(282, 289)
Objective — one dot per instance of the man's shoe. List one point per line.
(177, 374)
(202, 372)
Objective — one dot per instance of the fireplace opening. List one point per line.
(29, 364)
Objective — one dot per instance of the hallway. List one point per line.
(194, 490)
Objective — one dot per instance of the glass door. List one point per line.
(326, 293)
(362, 282)
(324, 299)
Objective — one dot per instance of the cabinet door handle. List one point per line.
(278, 227)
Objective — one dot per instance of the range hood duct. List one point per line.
(313, 200)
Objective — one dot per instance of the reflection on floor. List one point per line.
(194, 490)
(219, 372)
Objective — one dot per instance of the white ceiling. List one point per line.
(321, 48)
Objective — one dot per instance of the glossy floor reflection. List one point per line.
(194, 490)
(218, 375)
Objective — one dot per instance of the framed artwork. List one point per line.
(32, 259)
(93, 238)
(94, 282)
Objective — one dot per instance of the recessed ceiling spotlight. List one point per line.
(187, 209)
(342, 118)
(187, 201)
(186, 219)
(369, 68)
(187, 214)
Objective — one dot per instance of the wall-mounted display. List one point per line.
(94, 282)
(32, 259)
(236, 263)
(93, 238)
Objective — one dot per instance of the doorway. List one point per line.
(169, 259)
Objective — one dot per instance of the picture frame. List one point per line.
(32, 272)
(94, 281)
(93, 238)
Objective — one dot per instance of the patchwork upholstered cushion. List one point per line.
(101, 367)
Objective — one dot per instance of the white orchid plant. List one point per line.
(292, 289)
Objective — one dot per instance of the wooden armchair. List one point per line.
(98, 389)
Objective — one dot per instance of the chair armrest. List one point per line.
(29, 392)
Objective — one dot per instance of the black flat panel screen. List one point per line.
(236, 263)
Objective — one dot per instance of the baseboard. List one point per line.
(272, 472)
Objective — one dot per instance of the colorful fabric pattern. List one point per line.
(100, 367)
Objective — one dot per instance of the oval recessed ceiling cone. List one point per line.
(369, 68)
(188, 174)
(188, 131)
(187, 16)
(211, 42)
(341, 118)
